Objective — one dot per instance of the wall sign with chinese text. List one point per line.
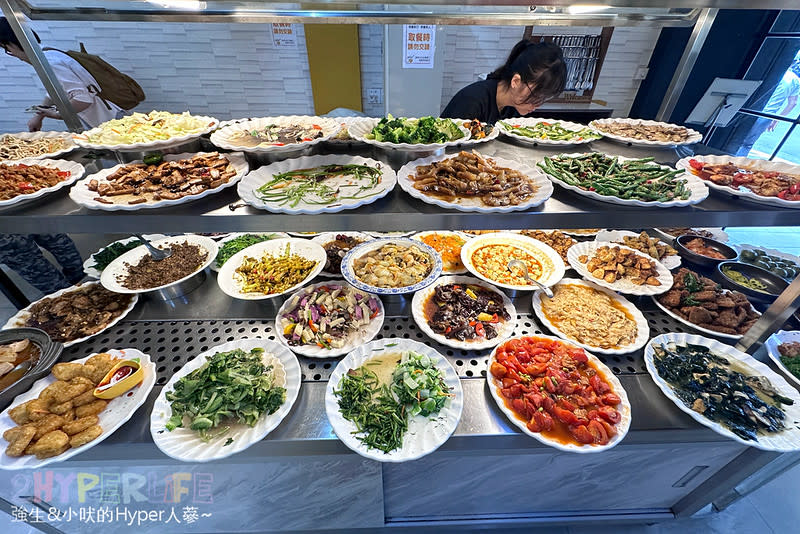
(419, 45)
(284, 35)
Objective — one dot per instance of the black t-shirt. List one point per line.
(478, 101)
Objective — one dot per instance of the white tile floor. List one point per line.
(772, 508)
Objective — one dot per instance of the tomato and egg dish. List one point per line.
(557, 391)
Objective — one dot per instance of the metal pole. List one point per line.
(40, 64)
(773, 318)
(686, 64)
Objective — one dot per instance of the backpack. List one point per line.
(115, 86)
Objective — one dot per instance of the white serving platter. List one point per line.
(82, 141)
(225, 137)
(779, 337)
(34, 136)
(277, 235)
(360, 129)
(76, 171)
(616, 236)
(694, 136)
(89, 265)
(623, 285)
(446, 267)
(531, 121)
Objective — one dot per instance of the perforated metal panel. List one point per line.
(171, 344)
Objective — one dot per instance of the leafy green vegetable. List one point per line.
(230, 386)
(419, 384)
(792, 364)
(113, 251)
(415, 131)
(692, 283)
(229, 248)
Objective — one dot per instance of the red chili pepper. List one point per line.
(795, 188)
(24, 185)
(495, 319)
(64, 174)
(782, 194)
(479, 330)
(693, 163)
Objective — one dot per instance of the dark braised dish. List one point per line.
(335, 250)
(465, 312)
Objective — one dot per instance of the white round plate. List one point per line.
(89, 265)
(525, 243)
(577, 232)
(493, 134)
(543, 192)
(717, 233)
(18, 319)
(778, 338)
(229, 237)
(304, 234)
(624, 407)
(115, 414)
(380, 235)
(615, 236)
(346, 123)
(445, 267)
(642, 328)
(349, 259)
(81, 194)
(326, 237)
(623, 285)
(363, 335)
(228, 279)
(786, 440)
(424, 435)
(742, 192)
(734, 337)
(118, 268)
(76, 171)
(359, 131)
(184, 444)
(247, 188)
(82, 140)
(696, 187)
(504, 329)
(223, 137)
(694, 137)
(531, 121)
(33, 136)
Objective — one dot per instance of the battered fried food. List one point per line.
(82, 438)
(614, 263)
(87, 380)
(48, 424)
(79, 425)
(83, 398)
(103, 362)
(19, 414)
(93, 408)
(50, 454)
(22, 437)
(70, 392)
(14, 432)
(48, 443)
(37, 409)
(69, 415)
(67, 371)
(61, 409)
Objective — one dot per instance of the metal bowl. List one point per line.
(775, 284)
(49, 352)
(699, 259)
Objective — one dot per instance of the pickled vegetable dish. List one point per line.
(273, 274)
(556, 391)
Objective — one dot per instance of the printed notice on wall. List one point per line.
(284, 35)
(419, 44)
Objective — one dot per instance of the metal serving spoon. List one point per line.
(524, 269)
(158, 254)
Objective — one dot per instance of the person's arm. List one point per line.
(791, 102)
(78, 94)
(35, 124)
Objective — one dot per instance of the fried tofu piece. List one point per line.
(93, 408)
(19, 414)
(82, 380)
(71, 391)
(84, 398)
(21, 440)
(82, 438)
(48, 424)
(61, 409)
(48, 394)
(37, 409)
(13, 433)
(50, 454)
(49, 443)
(69, 415)
(79, 425)
(67, 371)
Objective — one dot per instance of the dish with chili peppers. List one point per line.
(275, 134)
(761, 182)
(24, 179)
(448, 244)
(559, 394)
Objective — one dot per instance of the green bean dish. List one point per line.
(634, 179)
(323, 185)
(551, 131)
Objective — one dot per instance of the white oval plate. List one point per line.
(642, 328)
(326, 237)
(381, 235)
(359, 130)
(76, 171)
(89, 265)
(779, 337)
(222, 137)
(82, 140)
(743, 192)
(346, 123)
(229, 237)
(698, 190)
(623, 285)
(32, 136)
(424, 435)
(228, 279)
(740, 247)
(363, 335)
(247, 188)
(525, 243)
(624, 407)
(734, 337)
(615, 236)
(786, 440)
(18, 319)
(577, 232)
(185, 445)
(118, 268)
(531, 121)
(115, 414)
(80, 193)
(356, 252)
(717, 233)
(466, 237)
(694, 137)
(504, 329)
(472, 141)
(543, 192)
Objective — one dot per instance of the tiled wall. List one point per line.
(233, 70)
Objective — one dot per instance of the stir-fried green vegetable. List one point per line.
(636, 179)
(552, 131)
(381, 411)
(792, 364)
(230, 248)
(113, 251)
(309, 185)
(415, 131)
(231, 386)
